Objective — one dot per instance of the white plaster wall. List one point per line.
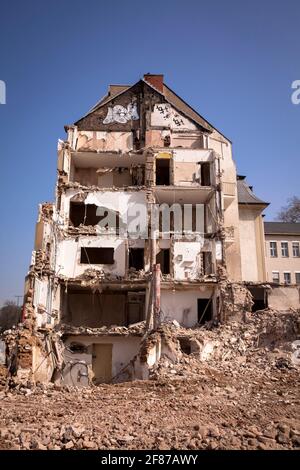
(42, 365)
(123, 350)
(41, 300)
(248, 246)
(182, 305)
(187, 259)
(192, 155)
(68, 258)
(40, 292)
(124, 202)
(164, 115)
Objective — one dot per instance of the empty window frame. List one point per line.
(205, 174)
(296, 249)
(273, 249)
(287, 277)
(84, 214)
(97, 256)
(297, 277)
(284, 249)
(136, 258)
(275, 277)
(205, 310)
(163, 171)
(163, 258)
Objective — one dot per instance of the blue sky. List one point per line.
(233, 61)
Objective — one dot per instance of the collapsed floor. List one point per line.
(235, 386)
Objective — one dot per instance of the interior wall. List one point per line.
(85, 308)
(69, 252)
(187, 260)
(188, 140)
(182, 305)
(86, 176)
(95, 140)
(186, 173)
(122, 202)
(123, 351)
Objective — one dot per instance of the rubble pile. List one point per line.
(137, 329)
(261, 341)
(214, 411)
(19, 342)
(92, 277)
(234, 386)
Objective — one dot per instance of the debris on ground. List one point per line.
(235, 386)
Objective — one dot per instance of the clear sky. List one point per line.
(233, 61)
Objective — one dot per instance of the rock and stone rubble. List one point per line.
(231, 387)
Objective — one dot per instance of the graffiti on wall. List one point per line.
(120, 114)
(165, 115)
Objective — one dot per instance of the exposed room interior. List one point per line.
(94, 309)
(107, 170)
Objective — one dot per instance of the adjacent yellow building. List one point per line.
(282, 245)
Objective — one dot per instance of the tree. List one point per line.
(291, 212)
(10, 315)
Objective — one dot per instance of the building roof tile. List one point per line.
(246, 194)
(280, 228)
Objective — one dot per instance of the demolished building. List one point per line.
(106, 270)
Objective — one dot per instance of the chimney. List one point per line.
(157, 81)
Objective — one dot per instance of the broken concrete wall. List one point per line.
(187, 259)
(42, 365)
(235, 300)
(32, 355)
(70, 252)
(284, 297)
(121, 202)
(154, 346)
(20, 344)
(41, 300)
(104, 141)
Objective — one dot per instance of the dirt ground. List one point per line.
(217, 411)
(245, 395)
